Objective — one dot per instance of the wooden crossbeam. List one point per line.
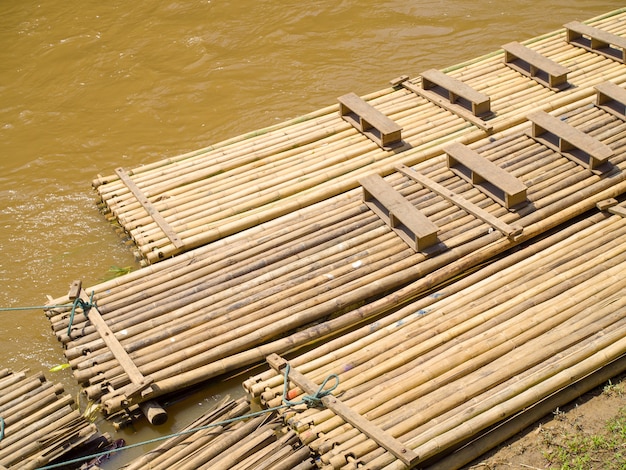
(386, 441)
(149, 207)
(460, 201)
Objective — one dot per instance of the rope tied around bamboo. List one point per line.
(84, 306)
(311, 401)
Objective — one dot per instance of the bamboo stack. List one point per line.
(218, 440)
(239, 183)
(41, 423)
(453, 366)
(231, 303)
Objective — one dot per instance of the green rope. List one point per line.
(309, 400)
(85, 306)
(34, 307)
(1, 428)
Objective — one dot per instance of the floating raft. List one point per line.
(184, 202)
(258, 443)
(452, 374)
(41, 424)
(315, 272)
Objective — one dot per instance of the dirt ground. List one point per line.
(569, 431)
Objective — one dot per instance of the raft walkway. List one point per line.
(459, 331)
(184, 202)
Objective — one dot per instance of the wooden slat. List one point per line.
(460, 201)
(596, 40)
(534, 65)
(369, 121)
(386, 441)
(397, 212)
(485, 175)
(569, 141)
(150, 209)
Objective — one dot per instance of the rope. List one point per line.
(1, 428)
(309, 400)
(34, 307)
(85, 306)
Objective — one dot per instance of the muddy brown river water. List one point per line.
(86, 87)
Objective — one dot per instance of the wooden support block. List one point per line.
(369, 121)
(606, 203)
(397, 212)
(596, 40)
(386, 441)
(569, 141)
(462, 108)
(150, 209)
(461, 202)
(479, 102)
(485, 175)
(611, 98)
(532, 64)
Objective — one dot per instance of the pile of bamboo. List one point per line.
(218, 440)
(211, 193)
(447, 367)
(231, 303)
(40, 423)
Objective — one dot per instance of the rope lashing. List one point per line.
(85, 306)
(1, 428)
(311, 401)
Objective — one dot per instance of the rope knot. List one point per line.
(311, 401)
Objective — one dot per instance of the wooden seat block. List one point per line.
(479, 102)
(611, 98)
(569, 141)
(397, 212)
(369, 121)
(485, 175)
(532, 64)
(596, 40)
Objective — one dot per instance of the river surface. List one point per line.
(86, 87)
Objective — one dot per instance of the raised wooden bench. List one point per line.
(457, 91)
(611, 98)
(569, 141)
(532, 64)
(596, 40)
(369, 121)
(485, 175)
(397, 212)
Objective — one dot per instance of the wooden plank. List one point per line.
(444, 103)
(596, 40)
(460, 201)
(611, 98)
(397, 212)
(141, 383)
(534, 65)
(569, 141)
(150, 209)
(485, 175)
(480, 103)
(386, 441)
(368, 120)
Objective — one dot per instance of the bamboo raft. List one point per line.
(451, 375)
(184, 202)
(257, 443)
(40, 423)
(318, 271)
